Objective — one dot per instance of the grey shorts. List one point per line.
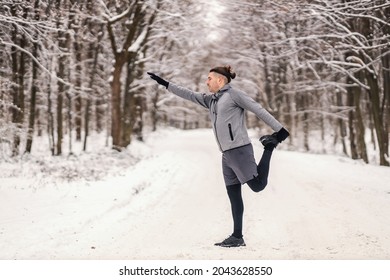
(239, 165)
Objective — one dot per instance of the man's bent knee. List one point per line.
(257, 185)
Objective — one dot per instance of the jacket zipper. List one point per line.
(231, 132)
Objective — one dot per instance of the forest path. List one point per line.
(173, 205)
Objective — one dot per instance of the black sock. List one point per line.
(237, 206)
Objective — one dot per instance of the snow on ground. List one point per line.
(170, 203)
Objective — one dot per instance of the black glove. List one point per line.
(282, 134)
(158, 79)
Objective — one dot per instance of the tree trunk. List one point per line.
(128, 105)
(33, 99)
(63, 44)
(377, 117)
(360, 129)
(138, 122)
(69, 119)
(17, 88)
(93, 54)
(22, 73)
(342, 128)
(351, 126)
(50, 125)
(61, 75)
(267, 80)
(154, 109)
(34, 81)
(386, 100)
(123, 57)
(92, 57)
(305, 121)
(78, 99)
(116, 114)
(374, 95)
(386, 84)
(75, 24)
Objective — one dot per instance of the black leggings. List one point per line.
(257, 184)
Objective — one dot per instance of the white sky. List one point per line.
(214, 8)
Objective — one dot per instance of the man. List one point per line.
(226, 107)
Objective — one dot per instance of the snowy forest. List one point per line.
(71, 69)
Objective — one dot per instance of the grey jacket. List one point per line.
(226, 110)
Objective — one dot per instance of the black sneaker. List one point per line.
(269, 141)
(231, 241)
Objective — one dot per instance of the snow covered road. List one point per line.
(173, 205)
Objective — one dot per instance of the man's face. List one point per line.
(213, 82)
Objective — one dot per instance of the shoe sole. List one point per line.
(230, 246)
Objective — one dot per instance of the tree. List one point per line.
(34, 81)
(135, 18)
